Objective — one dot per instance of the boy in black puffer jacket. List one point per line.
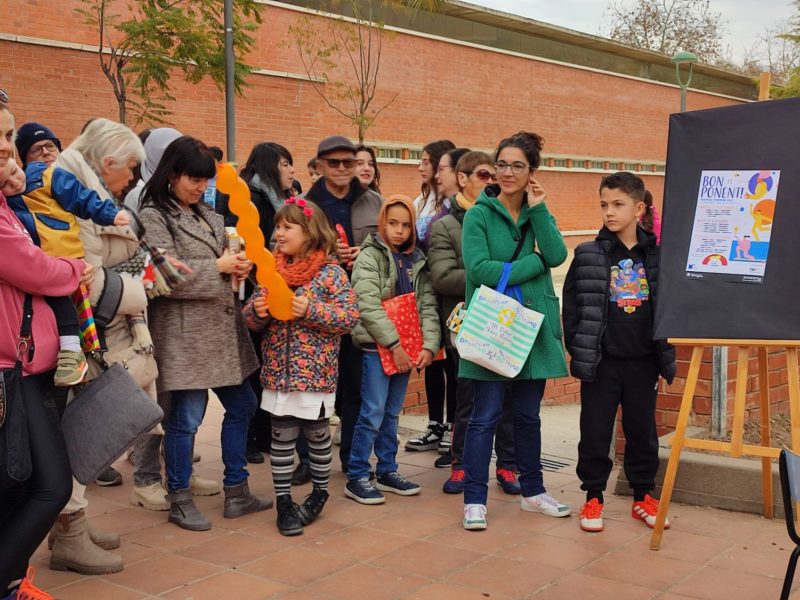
(609, 302)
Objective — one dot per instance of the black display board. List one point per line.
(730, 239)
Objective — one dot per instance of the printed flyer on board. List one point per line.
(733, 225)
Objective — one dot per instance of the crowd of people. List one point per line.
(74, 218)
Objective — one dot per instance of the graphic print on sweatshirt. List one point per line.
(629, 289)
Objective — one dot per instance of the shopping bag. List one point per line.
(498, 332)
(402, 312)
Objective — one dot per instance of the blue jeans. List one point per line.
(188, 410)
(382, 398)
(526, 397)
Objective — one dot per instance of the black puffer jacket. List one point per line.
(586, 297)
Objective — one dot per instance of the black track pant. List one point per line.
(28, 510)
(631, 383)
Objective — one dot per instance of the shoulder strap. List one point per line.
(25, 341)
(521, 242)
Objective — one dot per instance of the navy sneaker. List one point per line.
(395, 483)
(508, 481)
(363, 491)
(455, 485)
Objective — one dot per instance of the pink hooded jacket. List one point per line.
(25, 268)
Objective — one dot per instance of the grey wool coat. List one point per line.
(198, 333)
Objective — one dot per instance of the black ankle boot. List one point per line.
(289, 522)
(312, 506)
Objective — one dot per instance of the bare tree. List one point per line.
(667, 26)
(342, 56)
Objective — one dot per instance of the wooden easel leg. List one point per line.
(766, 463)
(794, 396)
(677, 446)
(740, 400)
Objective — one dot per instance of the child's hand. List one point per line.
(401, 359)
(536, 193)
(122, 219)
(87, 277)
(299, 307)
(424, 359)
(260, 306)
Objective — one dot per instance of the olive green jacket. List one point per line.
(489, 240)
(374, 279)
(446, 262)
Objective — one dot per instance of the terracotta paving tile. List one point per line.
(445, 591)
(713, 523)
(427, 559)
(689, 546)
(412, 522)
(161, 574)
(302, 595)
(128, 519)
(616, 534)
(50, 580)
(438, 502)
(297, 566)
(169, 537)
(550, 550)
(232, 550)
(585, 587)
(367, 581)
(487, 541)
(769, 561)
(93, 587)
(506, 577)
(325, 525)
(229, 585)
(350, 512)
(641, 567)
(360, 543)
(712, 583)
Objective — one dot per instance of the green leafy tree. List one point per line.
(157, 39)
(342, 56)
(667, 26)
(791, 85)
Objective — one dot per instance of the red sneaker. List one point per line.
(647, 510)
(28, 591)
(591, 516)
(455, 485)
(507, 479)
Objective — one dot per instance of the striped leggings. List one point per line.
(285, 430)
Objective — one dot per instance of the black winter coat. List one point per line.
(586, 298)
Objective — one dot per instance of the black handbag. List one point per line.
(15, 451)
(104, 419)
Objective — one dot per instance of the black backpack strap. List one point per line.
(25, 340)
(521, 242)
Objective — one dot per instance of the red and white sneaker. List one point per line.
(591, 516)
(647, 510)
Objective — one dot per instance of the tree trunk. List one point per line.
(122, 111)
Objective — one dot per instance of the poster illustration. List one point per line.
(733, 225)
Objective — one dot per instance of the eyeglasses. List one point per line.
(483, 175)
(335, 163)
(37, 151)
(517, 168)
(4, 99)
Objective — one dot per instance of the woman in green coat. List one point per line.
(505, 214)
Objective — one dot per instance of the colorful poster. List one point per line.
(733, 224)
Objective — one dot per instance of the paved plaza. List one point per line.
(415, 548)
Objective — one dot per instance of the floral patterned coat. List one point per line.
(302, 355)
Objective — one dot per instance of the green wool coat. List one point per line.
(374, 279)
(490, 238)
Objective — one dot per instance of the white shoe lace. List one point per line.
(475, 512)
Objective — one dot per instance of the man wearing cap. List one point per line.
(346, 202)
(35, 142)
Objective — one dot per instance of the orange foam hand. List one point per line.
(280, 295)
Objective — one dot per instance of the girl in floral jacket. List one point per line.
(301, 355)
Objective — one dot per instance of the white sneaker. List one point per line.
(474, 516)
(544, 503)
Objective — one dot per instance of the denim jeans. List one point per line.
(188, 410)
(382, 398)
(526, 397)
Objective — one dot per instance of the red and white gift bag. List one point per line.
(402, 312)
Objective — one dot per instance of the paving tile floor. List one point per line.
(415, 548)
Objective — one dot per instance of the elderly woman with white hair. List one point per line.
(103, 158)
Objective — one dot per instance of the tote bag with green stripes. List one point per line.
(498, 332)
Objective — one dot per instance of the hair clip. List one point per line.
(301, 203)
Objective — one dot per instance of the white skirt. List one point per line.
(303, 405)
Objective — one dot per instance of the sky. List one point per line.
(744, 20)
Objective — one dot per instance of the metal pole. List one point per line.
(719, 391)
(683, 98)
(230, 91)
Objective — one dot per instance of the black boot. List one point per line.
(239, 501)
(289, 522)
(312, 506)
